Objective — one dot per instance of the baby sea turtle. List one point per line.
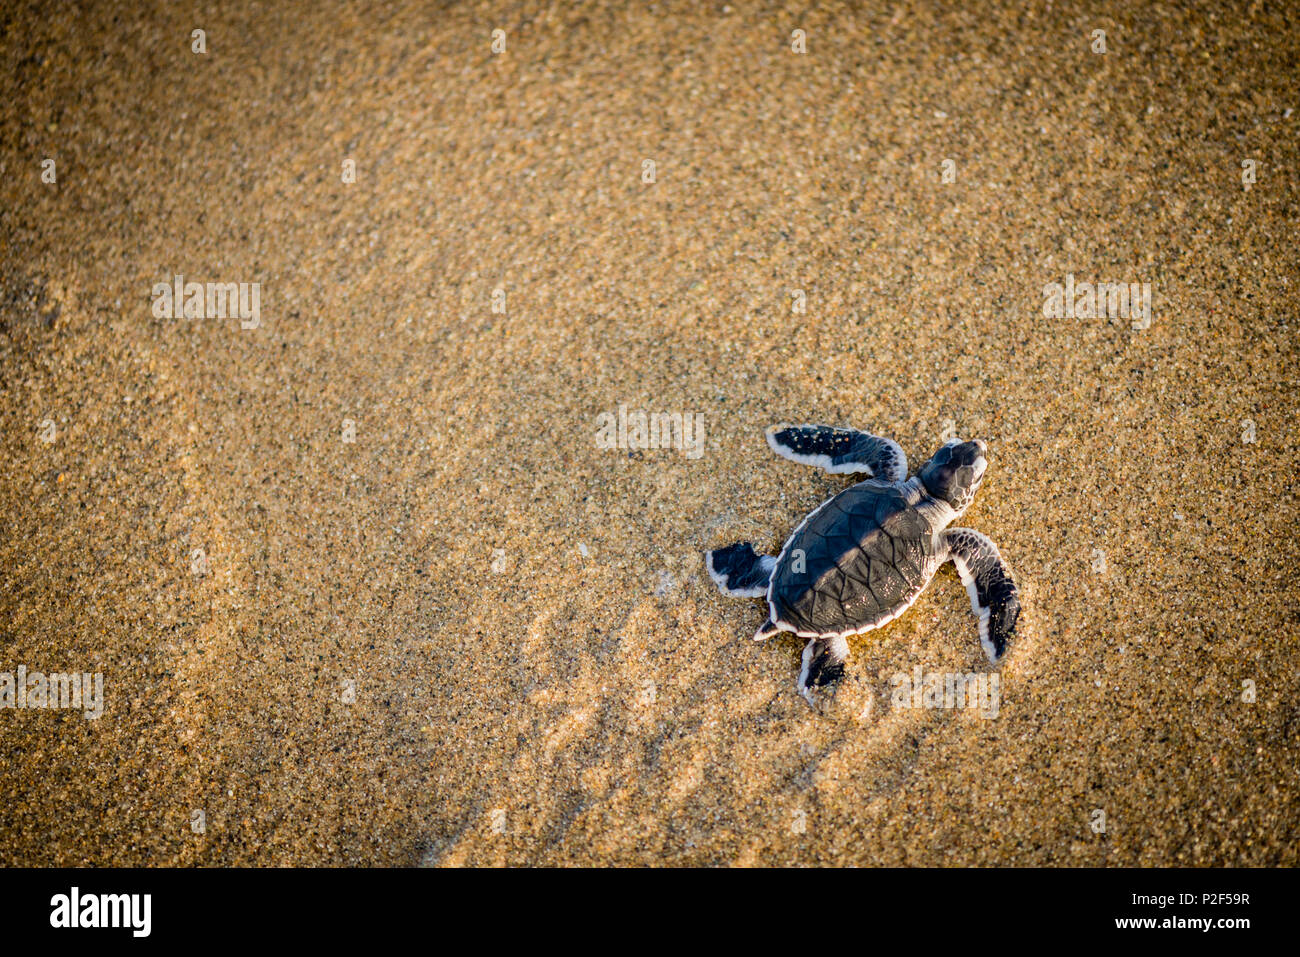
(862, 557)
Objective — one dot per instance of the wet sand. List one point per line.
(470, 636)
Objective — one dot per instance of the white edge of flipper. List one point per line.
(765, 562)
(824, 461)
(816, 461)
(800, 684)
(841, 649)
(976, 608)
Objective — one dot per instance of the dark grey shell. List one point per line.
(866, 554)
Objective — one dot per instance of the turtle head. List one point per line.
(954, 473)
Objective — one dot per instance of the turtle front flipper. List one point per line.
(739, 571)
(993, 595)
(839, 450)
(823, 664)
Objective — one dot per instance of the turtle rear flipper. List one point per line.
(823, 664)
(739, 571)
(840, 451)
(993, 595)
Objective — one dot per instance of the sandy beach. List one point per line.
(364, 587)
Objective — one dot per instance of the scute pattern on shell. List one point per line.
(866, 553)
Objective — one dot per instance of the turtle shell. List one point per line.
(857, 561)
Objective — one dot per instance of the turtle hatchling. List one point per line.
(862, 557)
